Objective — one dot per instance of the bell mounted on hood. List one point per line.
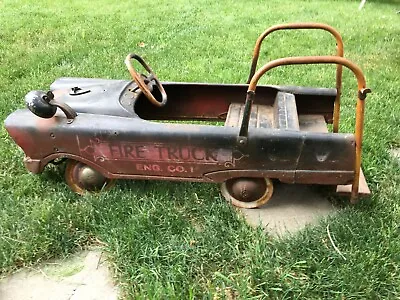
(45, 106)
(38, 103)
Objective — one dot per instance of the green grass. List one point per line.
(181, 240)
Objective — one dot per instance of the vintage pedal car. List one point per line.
(110, 129)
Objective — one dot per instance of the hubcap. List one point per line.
(90, 179)
(247, 192)
(81, 178)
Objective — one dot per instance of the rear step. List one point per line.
(281, 115)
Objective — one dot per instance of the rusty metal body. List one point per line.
(266, 134)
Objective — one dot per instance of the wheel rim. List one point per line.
(81, 178)
(247, 192)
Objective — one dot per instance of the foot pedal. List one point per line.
(261, 116)
(285, 112)
(281, 115)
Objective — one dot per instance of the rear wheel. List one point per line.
(81, 178)
(247, 192)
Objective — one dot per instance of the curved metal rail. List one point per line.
(340, 52)
(362, 94)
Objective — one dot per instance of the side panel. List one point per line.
(134, 148)
(323, 155)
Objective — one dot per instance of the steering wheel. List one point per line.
(142, 84)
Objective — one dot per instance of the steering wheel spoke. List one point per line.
(143, 83)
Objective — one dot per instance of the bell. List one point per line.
(38, 103)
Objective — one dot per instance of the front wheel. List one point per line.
(247, 192)
(81, 178)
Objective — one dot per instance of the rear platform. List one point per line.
(282, 114)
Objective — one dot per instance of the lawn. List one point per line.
(181, 240)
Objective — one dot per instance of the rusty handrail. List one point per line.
(362, 94)
(340, 52)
